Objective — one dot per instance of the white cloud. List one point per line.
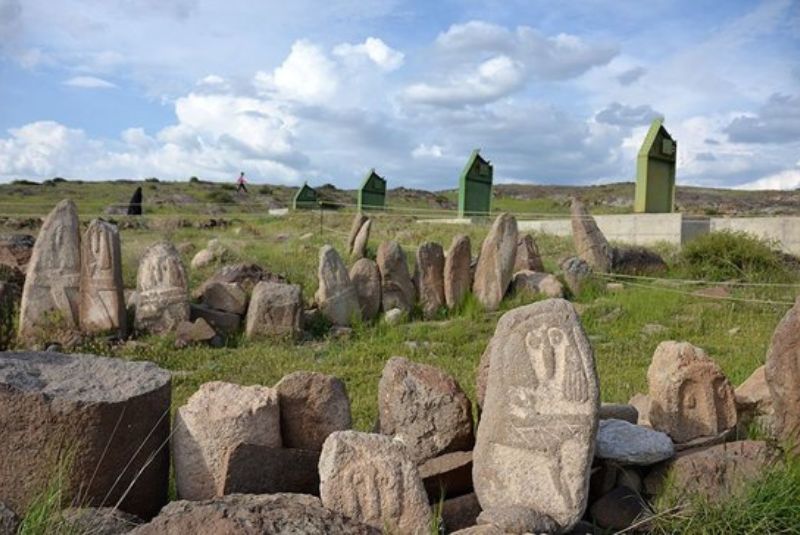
(427, 151)
(42, 149)
(89, 82)
(375, 50)
(211, 79)
(307, 75)
(788, 179)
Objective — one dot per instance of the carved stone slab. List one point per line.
(396, 285)
(163, 290)
(537, 434)
(102, 306)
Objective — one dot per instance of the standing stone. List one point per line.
(163, 290)
(336, 294)
(366, 278)
(313, 405)
(358, 221)
(109, 415)
(429, 278)
(457, 273)
(275, 309)
(362, 239)
(135, 206)
(528, 257)
(424, 408)
(102, 306)
(690, 397)
(214, 420)
(590, 242)
(396, 287)
(496, 262)
(226, 296)
(52, 284)
(540, 412)
(783, 377)
(371, 479)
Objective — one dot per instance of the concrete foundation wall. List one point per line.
(784, 230)
(634, 229)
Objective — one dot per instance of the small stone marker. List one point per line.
(540, 412)
(336, 294)
(52, 284)
(690, 397)
(162, 286)
(102, 306)
(366, 279)
(429, 278)
(590, 242)
(371, 479)
(528, 257)
(496, 262)
(457, 273)
(396, 286)
(225, 296)
(276, 309)
(783, 377)
(361, 241)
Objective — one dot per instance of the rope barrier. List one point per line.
(701, 281)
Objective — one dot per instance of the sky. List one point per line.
(551, 92)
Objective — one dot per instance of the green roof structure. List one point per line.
(372, 193)
(305, 198)
(475, 187)
(655, 171)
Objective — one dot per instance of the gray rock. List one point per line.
(203, 258)
(244, 275)
(447, 475)
(394, 316)
(225, 296)
(366, 279)
(258, 469)
(9, 521)
(16, 250)
(457, 271)
(163, 291)
(518, 519)
(590, 243)
(275, 309)
(576, 272)
(618, 509)
(619, 411)
(534, 282)
(102, 301)
(496, 262)
(189, 333)
(336, 295)
(98, 521)
(429, 278)
(460, 512)
(782, 371)
(627, 443)
(541, 412)
(528, 257)
(396, 287)
(222, 322)
(641, 402)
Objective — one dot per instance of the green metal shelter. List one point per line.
(655, 171)
(475, 187)
(305, 198)
(372, 194)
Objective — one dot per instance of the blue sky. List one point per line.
(552, 92)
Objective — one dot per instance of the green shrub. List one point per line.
(194, 180)
(220, 197)
(726, 255)
(265, 190)
(152, 179)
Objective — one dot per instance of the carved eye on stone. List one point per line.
(691, 402)
(556, 336)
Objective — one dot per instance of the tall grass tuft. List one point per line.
(43, 516)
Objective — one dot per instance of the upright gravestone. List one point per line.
(305, 198)
(336, 295)
(590, 242)
(51, 295)
(655, 171)
(429, 278)
(359, 249)
(358, 221)
(496, 262)
(102, 305)
(135, 206)
(372, 193)
(396, 287)
(457, 272)
(475, 187)
(163, 290)
(540, 413)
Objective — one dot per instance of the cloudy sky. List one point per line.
(322, 90)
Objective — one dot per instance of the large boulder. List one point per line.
(163, 290)
(214, 420)
(108, 418)
(424, 408)
(366, 278)
(496, 262)
(245, 275)
(102, 303)
(429, 278)
(690, 397)
(528, 257)
(276, 309)
(336, 295)
(250, 514)
(457, 271)
(540, 412)
(397, 290)
(51, 295)
(226, 296)
(782, 371)
(590, 243)
(313, 405)
(630, 444)
(371, 479)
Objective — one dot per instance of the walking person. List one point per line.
(241, 183)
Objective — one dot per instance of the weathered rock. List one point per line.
(576, 272)
(429, 278)
(637, 261)
(9, 521)
(714, 473)
(447, 475)
(113, 413)
(16, 251)
(366, 279)
(534, 282)
(590, 243)
(483, 529)
(275, 309)
(424, 408)
(225, 296)
(245, 275)
(223, 322)
(496, 262)
(618, 509)
(518, 519)
(336, 295)
(528, 257)
(313, 405)
(188, 333)
(102, 302)
(51, 295)
(203, 258)
(98, 521)
(162, 287)
(214, 420)
(8, 312)
(362, 239)
(627, 443)
(641, 402)
(619, 411)
(629, 477)
(359, 219)
(249, 514)
(371, 479)
(460, 512)
(396, 287)
(457, 271)
(257, 469)
(690, 397)
(783, 377)
(394, 316)
(540, 411)
(754, 402)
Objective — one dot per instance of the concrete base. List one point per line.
(783, 230)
